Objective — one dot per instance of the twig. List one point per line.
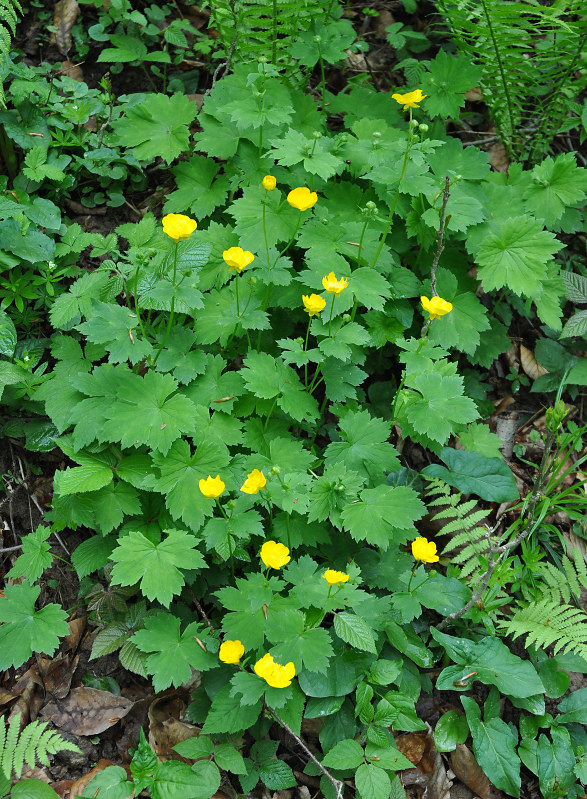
(10, 549)
(338, 785)
(202, 612)
(440, 244)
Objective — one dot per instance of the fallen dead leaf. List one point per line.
(413, 745)
(498, 157)
(530, 365)
(474, 95)
(166, 728)
(76, 631)
(71, 70)
(466, 768)
(62, 788)
(66, 13)
(87, 711)
(439, 782)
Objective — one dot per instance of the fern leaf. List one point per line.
(547, 623)
(34, 743)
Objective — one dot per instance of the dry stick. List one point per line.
(10, 549)
(498, 553)
(440, 244)
(338, 785)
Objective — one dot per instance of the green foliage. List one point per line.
(9, 10)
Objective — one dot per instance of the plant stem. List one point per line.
(290, 242)
(238, 313)
(265, 225)
(396, 197)
(506, 88)
(440, 243)
(271, 409)
(305, 350)
(223, 512)
(172, 310)
(330, 319)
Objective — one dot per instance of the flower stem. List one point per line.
(265, 225)
(172, 310)
(223, 512)
(305, 350)
(396, 197)
(271, 409)
(290, 242)
(238, 313)
(330, 319)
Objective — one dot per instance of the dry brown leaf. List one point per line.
(439, 782)
(474, 95)
(498, 157)
(466, 768)
(530, 365)
(71, 70)
(62, 788)
(87, 711)
(66, 12)
(165, 727)
(413, 745)
(78, 787)
(76, 630)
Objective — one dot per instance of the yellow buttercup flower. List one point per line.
(274, 555)
(255, 481)
(409, 100)
(231, 651)
(424, 550)
(269, 182)
(333, 577)
(276, 675)
(178, 226)
(237, 258)
(212, 487)
(436, 306)
(314, 304)
(334, 286)
(302, 198)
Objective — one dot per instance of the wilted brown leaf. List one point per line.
(530, 365)
(165, 727)
(413, 745)
(71, 70)
(87, 711)
(66, 12)
(474, 95)
(466, 768)
(498, 157)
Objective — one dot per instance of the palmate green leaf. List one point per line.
(329, 494)
(280, 217)
(478, 438)
(24, 630)
(492, 663)
(156, 566)
(295, 148)
(309, 649)
(175, 654)
(146, 413)
(438, 407)
(494, 745)
(364, 447)
(384, 515)
(267, 377)
(197, 191)
(556, 184)
(514, 253)
(35, 557)
(448, 79)
(461, 328)
(157, 127)
(113, 325)
(177, 476)
(218, 319)
(228, 714)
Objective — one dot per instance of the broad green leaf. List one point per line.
(556, 184)
(438, 406)
(355, 631)
(174, 780)
(448, 79)
(111, 783)
(227, 714)
(364, 447)
(35, 557)
(92, 555)
(197, 192)
(33, 789)
(344, 755)
(158, 567)
(7, 335)
(478, 438)
(473, 473)
(228, 758)
(157, 127)
(514, 253)
(372, 782)
(174, 654)
(386, 757)
(384, 515)
(341, 676)
(443, 594)
(492, 663)
(24, 630)
(494, 746)
(574, 708)
(451, 729)
(277, 775)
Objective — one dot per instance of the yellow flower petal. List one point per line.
(333, 285)
(254, 483)
(333, 577)
(237, 258)
(410, 99)
(274, 555)
(231, 651)
(178, 226)
(424, 550)
(274, 674)
(269, 182)
(436, 306)
(302, 198)
(212, 487)
(313, 304)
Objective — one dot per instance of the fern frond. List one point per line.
(527, 51)
(547, 623)
(34, 743)
(9, 10)
(470, 539)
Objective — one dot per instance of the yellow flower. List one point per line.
(334, 286)
(333, 577)
(231, 651)
(274, 555)
(212, 487)
(255, 481)
(269, 182)
(424, 550)
(237, 258)
(178, 226)
(314, 304)
(436, 306)
(302, 198)
(273, 673)
(410, 100)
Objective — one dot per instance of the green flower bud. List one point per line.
(424, 127)
(275, 470)
(317, 134)
(346, 317)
